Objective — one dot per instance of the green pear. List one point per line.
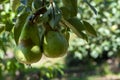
(27, 54)
(55, 45)
(28, 50)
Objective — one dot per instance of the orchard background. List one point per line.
(94, 43)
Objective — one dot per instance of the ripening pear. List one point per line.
(27, 54)
(55, 45)
(28, 50)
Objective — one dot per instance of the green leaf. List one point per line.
(21, 19)
(14, 4)
(29, 30)
(65, 12)
(29, 3)
(76, 30)
(55, 15)
(89, 29)
(37, 4)
(2, 27)
(94, 10)
(24, 2)
(77, 24)
(71, 5)
(2, 46)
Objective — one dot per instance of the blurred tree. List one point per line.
(107, 44)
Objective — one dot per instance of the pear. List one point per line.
(28, 50)
(55, 45)
(27, 54)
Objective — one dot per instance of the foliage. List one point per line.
(13, 70)
(107, 44)
(14, 15)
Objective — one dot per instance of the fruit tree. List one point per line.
(42, 27)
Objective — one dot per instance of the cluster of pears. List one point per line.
(30, 47)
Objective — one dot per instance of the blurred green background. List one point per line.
(97, 59)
